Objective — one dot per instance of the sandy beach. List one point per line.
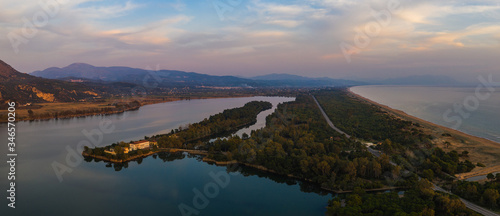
(480, 150)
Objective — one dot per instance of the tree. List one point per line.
(428, 212)
(354, 200)
(30, 113)
(490, 176)
(428, 174)
(244, 136)
(490, 197)
(324, 167)
(465, 154)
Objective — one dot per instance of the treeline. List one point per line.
(419, 200)
(441, 162)
(297, 141)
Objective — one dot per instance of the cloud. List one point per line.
(280, 36)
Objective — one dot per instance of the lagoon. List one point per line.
(159, 184)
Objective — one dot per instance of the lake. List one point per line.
(159, 184)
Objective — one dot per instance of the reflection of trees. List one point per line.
(304, 186)
(167, 157)
(118, 166)
(138, 160)
(164, 156)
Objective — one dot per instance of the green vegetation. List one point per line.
(404, 141)
(297, 141)
(368, 122)
(419, 200)
(485, 194)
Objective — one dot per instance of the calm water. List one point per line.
(155, 186)
(480, 116)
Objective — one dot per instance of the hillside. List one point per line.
(24, 88)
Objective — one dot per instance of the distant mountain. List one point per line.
(426, 80)
(24, 88)
(298, 81)
(161, 78)
(174, 78)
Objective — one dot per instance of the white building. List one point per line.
(144, 144)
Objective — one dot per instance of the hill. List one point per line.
(24, 88)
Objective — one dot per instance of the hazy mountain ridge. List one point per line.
(161, 78)
(175, 78)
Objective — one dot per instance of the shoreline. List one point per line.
(104, 113)
(480, 149)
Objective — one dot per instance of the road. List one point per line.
(468, 204)
(328, 119)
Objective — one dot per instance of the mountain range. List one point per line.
(160, 78)
(175, 78)
(82, 82)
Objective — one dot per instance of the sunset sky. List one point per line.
(255, 37)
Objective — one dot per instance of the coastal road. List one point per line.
(376, 153)
(328, 119)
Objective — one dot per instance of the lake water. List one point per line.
(461, 108)
(158, 185)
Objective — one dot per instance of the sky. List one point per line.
(357, 39)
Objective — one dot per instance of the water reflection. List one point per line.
(245, 171)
